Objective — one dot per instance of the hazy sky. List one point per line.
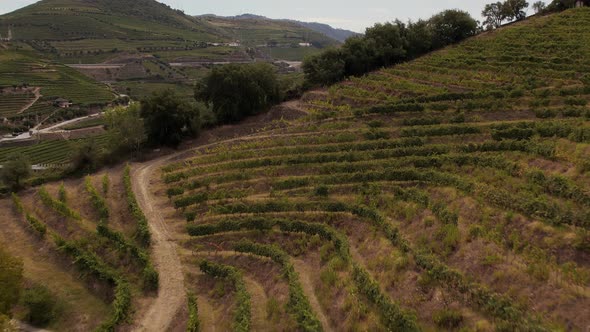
(354, 15)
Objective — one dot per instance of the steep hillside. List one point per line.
(103, 19)
(92, 31)
(449, 192)
(88, 243)
(30, 84)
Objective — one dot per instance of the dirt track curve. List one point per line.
(171, 294)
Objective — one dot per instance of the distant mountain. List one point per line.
(338, 34)
(256, 30)
(333, 33)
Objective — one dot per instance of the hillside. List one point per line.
(255, 30)
(337, 34)
(53, 20)
(449, 192)
(92, 31)
(30, 84)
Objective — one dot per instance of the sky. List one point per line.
(347, 14)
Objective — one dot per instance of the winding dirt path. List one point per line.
(171, 294)
(38, 95)
(305, 278)
(258, 300)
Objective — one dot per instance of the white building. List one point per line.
(9, 37)
(305, 45)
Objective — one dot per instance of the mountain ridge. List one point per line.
(335, 33)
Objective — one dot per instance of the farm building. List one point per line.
(582, 3)
(62, 103)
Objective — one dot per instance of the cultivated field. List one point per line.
(88, 242)
(449, 192)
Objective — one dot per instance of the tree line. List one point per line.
(388, 44)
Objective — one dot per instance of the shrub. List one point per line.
(40, 304)
(376, 134)
(572, 101)
(143, 231)
(193, 324)
(62, 194)
(100, 205)
(545, 114)
(242, 312)
(106, 182)
(448, 318)
(321, 191)
(512, 133)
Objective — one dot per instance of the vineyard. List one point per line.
(50, 152)
(25, 67)
(89, 231)
(450, 192)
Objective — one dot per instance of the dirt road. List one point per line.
(171, 294)
(38, 95)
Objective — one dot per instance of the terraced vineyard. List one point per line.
(450, 192)
(12, 103)
(85, 228)
(19, 67)
(49, 152)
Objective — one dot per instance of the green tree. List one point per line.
(494, 14)
(11, 281)
(325, 68)
(539, 7)
(386, 43)
(418, 36)
(87, 155)
(515, 9)
(16, 169)
(237, 91)
(451, 26)
(168, 118)
(125, 129)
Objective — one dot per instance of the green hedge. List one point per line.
(298, 303)
(242, 312)
(149, 275)
(58, 206)
(393, 317)
(193, 324)
(99, 203)
(39, 227)
(143, 230)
